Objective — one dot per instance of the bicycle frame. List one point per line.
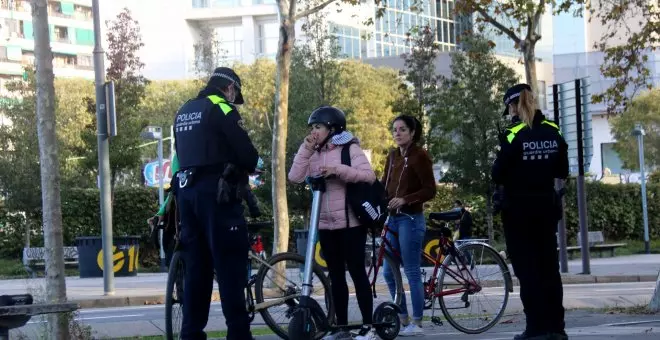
(445, 245)
(258, 254)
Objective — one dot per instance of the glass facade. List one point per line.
(268, 38)
(402, 15)
(349, 41)
(215, 3)
(231, 41)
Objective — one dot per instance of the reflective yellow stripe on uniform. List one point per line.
(553, 125)
(514, 130)
(220, 102)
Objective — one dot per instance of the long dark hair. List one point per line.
(413, 124)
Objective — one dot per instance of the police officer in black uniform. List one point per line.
(532, 155)
(209, 136)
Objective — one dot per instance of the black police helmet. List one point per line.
(330, 116)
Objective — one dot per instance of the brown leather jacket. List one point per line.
(410, 177)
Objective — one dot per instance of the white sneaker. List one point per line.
(339, 335)
(371, 335)
(412, 330)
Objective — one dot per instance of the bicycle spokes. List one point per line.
(472, 289)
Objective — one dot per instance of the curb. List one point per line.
(126, 301)
(582, 279)
(133, 301)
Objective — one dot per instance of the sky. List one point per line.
(568, 33)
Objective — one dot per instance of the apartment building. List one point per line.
(249, 29)
(71, 34)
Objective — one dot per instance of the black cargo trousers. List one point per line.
(532, 247)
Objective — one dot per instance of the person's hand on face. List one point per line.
(310, 142)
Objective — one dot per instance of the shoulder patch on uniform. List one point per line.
(241, 124)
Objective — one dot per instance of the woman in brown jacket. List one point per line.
(409, 182)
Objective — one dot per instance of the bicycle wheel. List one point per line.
(458, 273)
(174, 297)
(272, 280)
(381, 285)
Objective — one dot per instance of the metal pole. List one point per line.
(640, 143)
(582, 199)
(171, 143)
(561, 225)
(103, 155)
(161, 194)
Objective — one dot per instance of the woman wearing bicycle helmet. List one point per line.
(409, 181)
(341, 236)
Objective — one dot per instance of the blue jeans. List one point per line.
(411, 230)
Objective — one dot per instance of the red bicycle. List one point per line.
(456, 281)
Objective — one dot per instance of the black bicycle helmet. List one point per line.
(330, 116)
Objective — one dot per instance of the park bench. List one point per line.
(596, 242)
(17, 310)
(35, 258)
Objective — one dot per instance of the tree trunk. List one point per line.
(529, 58)
(50, 171)
(280, 126)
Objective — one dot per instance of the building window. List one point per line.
(269, 35)
(63, 60)
(231, 41)
(85, 61)
(349, 40)
(611, 162)
(27, 31)
(61, 34)
(82, 12)
(215, 3)
(28, 58)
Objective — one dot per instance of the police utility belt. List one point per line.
(228, 190)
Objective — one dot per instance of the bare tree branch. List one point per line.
(313, 9)
(535, 23)
(498, 25)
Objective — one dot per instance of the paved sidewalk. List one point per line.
(146, 289)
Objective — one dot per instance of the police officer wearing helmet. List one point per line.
(532, 155)
(209, 138)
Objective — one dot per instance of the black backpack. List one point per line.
(367, 200)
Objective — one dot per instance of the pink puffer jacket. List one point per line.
(308, 163)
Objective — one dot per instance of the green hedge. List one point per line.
(614, 209)
(81, 217)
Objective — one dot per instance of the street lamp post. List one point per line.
(639, 132)
(156, 133)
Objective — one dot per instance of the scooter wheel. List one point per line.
(387, 319)
(301, 325)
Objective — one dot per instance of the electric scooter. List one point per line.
(309, 319)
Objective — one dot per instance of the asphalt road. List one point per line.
(109, 323)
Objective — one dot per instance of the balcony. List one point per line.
(215, 9)
(55, 9)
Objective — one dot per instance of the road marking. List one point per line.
(631, 323)
(624, 289)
